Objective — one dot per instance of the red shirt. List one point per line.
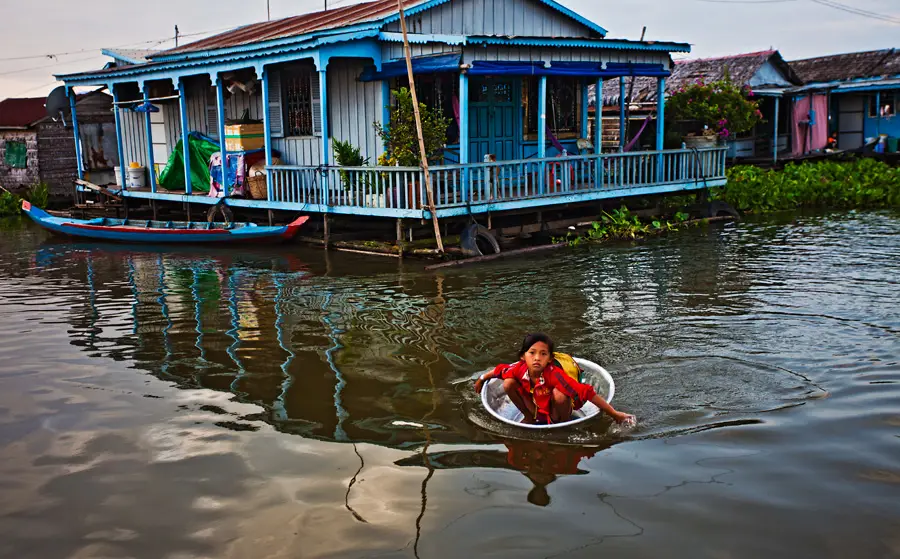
(542, 393)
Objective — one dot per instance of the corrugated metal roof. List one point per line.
(849, 66)
(132, 56)
(295, 26)
(740, 68)
(22, 112)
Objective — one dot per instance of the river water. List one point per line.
(286, 402)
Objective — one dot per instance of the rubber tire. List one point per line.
(470, 236)
(219, 210)
(718, 208)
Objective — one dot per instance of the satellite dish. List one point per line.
(58, 104)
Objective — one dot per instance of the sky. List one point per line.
(797, 28)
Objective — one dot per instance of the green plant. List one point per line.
(858, 183)
(38, 194)
(401, 138)
(10, 204)
(719, 107)
(348, 155)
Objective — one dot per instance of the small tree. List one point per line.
(719, 107)
(400, 137)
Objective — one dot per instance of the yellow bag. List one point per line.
(565, 362)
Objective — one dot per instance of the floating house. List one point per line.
(37, 149)
(765, 74)
(512, 76)
(852, 95)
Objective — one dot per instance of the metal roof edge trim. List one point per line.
(156, 67)
(112, 53)
(423, 38)
(584, 43)
(275, 43)
(857, 82)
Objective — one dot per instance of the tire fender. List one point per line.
(470, 236)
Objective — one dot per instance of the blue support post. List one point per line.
(660, 127)
(323, 106)
(775, 133)
(185, 133)
(877, 113)
(464, 132)
(151, 167)
(386, 106)
(220, 107)
(542, 132)
(598, 116)
(267, 131)
(119, 145)
(622, 114)
(585, 105)
(71, 94)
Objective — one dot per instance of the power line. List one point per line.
(23, 70)
(857, 11)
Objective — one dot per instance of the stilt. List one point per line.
(410, 234)
(490, 226)
(153, 207)
(125, 205)
(188, 204)
(399, 231)
(326, 228)
(271, 217)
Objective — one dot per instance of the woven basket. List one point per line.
(257, 186)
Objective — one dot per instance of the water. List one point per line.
(284, 402)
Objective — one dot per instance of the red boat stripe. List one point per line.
(148, 230)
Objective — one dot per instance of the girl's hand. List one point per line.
(624, 419)
(478, 384)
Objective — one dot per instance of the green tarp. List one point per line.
(16, 154)
(201, 149)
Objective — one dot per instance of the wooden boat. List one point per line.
(498, 404)
(149, 231)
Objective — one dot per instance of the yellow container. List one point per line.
(244, 137)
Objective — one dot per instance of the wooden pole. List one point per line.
(422, 154)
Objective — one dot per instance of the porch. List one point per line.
(476, 188)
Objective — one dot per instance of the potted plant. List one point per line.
(713, 111)
(402, 141)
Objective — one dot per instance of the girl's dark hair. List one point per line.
(534, 338)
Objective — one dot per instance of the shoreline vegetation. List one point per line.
(856, 184)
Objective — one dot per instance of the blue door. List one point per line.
(494, 110)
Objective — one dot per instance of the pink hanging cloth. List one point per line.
(809, 127)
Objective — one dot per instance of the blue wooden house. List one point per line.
(512, 75)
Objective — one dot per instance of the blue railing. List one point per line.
(394, 190)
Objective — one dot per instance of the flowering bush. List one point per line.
(720, 107)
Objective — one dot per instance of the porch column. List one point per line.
(660, 127)
(385, 106)
(267, 132)
(598, 116)
(585, 105)
(622, 114)
(542, 132)
(220, 119)
(464, 132)
(118, 119)
(185, 133)
(775, 132)
(151, 167)
(542, 117)
(323, 107)
(877, 113)
(71, 93)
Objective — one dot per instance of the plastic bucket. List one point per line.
(892, 144)
(118, 171)
(137, 177)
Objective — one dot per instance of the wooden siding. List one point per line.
(394, 51)
(523, 18)
(353, 107)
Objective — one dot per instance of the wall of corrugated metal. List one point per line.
(394, 51)
(523, 18)
(134, 137)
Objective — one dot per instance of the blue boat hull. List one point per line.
(146, 231)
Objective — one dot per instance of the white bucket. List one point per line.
(118, 175)
(137, 177)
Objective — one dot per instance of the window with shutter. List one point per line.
(316, 104)
(276, 116)
(297, 100)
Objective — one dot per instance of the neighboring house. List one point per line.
(765, 73)
(36, 149)
(856, 95)
(511, 75)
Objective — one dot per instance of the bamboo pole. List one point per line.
(422, 154)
